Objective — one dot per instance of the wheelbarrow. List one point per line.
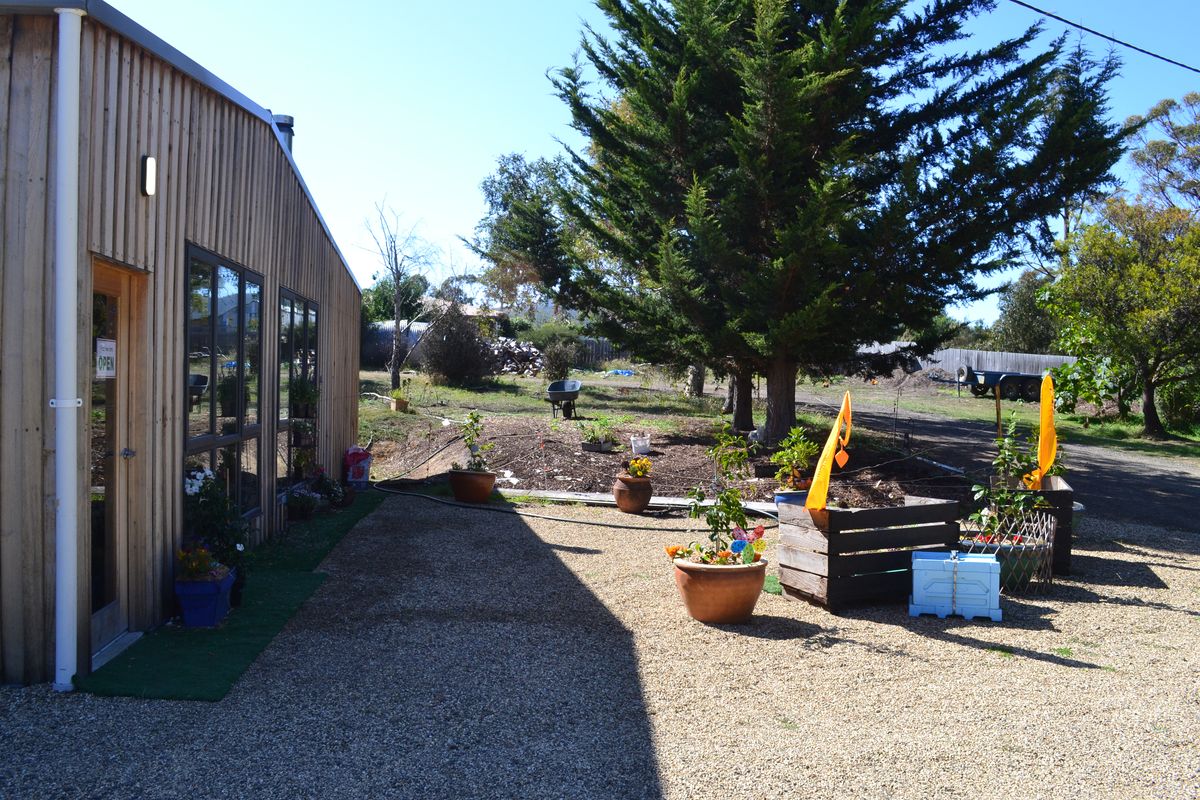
(561, 396)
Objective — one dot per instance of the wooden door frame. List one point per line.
(132, 518)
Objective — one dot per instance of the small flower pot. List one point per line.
(399, 404)
(792, 496)
(203, 604)
(470, 486)
(632, 494)
(721, 594)
(640, 445)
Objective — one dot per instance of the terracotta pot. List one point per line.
(632, 494)
(720, 593)
(470, 486)
(399, 404)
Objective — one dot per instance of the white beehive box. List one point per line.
(967, 584)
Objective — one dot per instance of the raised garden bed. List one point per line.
(838, 557)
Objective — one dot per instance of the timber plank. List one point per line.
(945, 533)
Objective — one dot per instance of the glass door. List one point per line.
(108, 459)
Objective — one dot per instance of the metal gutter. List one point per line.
(114, 20)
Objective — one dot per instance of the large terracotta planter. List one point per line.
(720, 593)
(632, 494)
(470, 486)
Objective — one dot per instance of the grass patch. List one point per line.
(771, 585)
(176, 663)
(1065, 652)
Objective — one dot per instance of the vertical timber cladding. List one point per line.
(225, 184)
(26, 357)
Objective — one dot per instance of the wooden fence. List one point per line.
(951, 359)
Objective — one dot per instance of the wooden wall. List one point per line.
(225, 184)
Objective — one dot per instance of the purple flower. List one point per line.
(738, 545)
(740, 534)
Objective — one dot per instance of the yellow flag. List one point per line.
(834, 447)
(1047, 437)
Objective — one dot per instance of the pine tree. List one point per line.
(769, 185)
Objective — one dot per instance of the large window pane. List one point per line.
(227, 341)
(283, 462)
(229, 470)
(312, 342)
(285, 355)
(253, 344)
(299, 340)
(249, 480)
(199, 349)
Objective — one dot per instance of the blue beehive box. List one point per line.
(967, 584)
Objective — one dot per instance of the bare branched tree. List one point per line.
(403, 254)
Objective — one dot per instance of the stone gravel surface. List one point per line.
(464, 654)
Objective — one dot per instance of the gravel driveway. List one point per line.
(467, 654)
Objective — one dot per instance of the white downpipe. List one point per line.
(66, 333)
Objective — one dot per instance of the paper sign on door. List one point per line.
(106, 359)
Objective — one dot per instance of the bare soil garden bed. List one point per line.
(546, 454)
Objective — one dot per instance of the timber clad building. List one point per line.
(165, 278)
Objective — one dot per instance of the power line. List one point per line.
(1103, 35)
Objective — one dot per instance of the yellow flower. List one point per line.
(759, 545)
(673, 550)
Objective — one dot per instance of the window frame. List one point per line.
(310, 371)
(214, 441)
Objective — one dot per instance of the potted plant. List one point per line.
(720, 580)
(400, 399)
(472, 483)
(598, 435)
(301, 504)
(202, 586)
(212, 521)
(632, 489)
(304, 433)
(303, 395)
(339, 496)
(794, 455)
(1013, 524)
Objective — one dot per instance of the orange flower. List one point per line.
(673, 550)
(725, 554)
(758, 556)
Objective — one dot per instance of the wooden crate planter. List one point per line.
(839, 557)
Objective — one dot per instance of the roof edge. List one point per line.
(113, 19)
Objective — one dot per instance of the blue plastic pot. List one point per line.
(790, 497)
(204, 604)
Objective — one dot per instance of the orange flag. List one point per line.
(835, 450)
(1047, 436)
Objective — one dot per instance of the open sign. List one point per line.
(106, 358)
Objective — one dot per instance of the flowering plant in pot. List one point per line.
(212, 522)
(302, 504)
(720, 580)
(400, 399)
(794, 455)
(474, 482)
(339, 496)
(202, 586)
(632, 489)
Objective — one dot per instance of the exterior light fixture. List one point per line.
(149, 175)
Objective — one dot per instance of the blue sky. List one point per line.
(412, 102)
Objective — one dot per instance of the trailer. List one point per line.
(1012, 385)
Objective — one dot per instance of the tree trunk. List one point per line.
(727, 406)
(743, 399)
(1152, 427)
(695, 380)
(781, 399)
(398, 337)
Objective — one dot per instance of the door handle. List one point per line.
(126, 453)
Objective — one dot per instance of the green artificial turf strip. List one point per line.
(176, 663)
(771, 585)
(306, 544)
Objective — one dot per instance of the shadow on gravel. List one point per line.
(473, 662)
(768, 626)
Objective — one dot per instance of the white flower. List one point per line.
(445, 423)
(241, 547)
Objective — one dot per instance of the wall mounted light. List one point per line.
(149, 175)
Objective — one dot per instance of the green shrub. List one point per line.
(546, 334)
(453, 352)
(557, 358)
